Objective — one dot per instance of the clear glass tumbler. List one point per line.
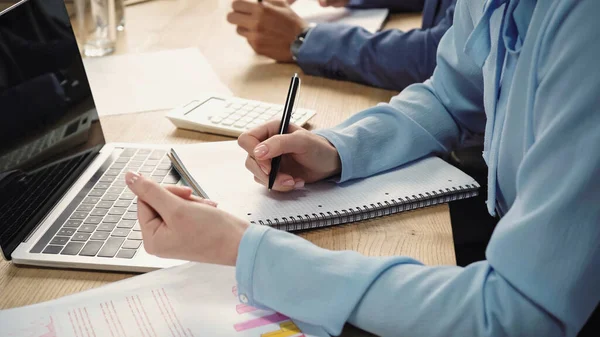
(102, 39)
(120, 9)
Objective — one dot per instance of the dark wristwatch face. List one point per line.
(295, 47)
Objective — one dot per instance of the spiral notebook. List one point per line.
(217, 171)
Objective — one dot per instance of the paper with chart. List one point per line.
(370, 19)
(191, 300)
(150, 81)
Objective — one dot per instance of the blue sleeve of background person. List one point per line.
(393, 5)
(390, 59)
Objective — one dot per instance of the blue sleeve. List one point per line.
(393, 5)
(390, 59)
(543, 262)
(436, 116)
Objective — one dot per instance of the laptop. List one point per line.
(63, 197)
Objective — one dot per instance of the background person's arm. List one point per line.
(390, 59)
(392, 5)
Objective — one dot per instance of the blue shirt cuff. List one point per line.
(343, 151)
(244, 270)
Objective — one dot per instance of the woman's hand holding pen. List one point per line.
(307, 157)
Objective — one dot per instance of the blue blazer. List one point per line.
(390, 59)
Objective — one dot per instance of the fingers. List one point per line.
(333, 3)
(244, 6)
(241, 20)
(251, 139)
(148, 218)
(185, 192)
(278, 145)
(283, 183)
(159, 199)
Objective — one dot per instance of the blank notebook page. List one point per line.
(218, 168)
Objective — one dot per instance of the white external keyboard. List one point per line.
(230, 116)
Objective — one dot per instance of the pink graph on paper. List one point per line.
(261, 321)
(39, 328)
(243, 308)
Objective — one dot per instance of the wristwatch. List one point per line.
(295, 46)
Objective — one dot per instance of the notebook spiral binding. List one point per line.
(392, 206)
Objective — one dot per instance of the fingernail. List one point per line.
(299, 184)
(211, 203)
(261, 150)
(132, 177)
(264, 169)
(289, 182)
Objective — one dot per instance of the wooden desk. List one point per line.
(424, 234)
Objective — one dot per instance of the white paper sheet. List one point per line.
(191, 300)
(150, 81)
(370, 19)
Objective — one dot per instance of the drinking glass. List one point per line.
(103, 36)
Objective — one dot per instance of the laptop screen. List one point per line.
(49, 127)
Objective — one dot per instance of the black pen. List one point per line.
(285, 122)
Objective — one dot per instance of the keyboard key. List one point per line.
(139, 158)
(59, 240)
(126, 224)
(127, 196)
(52, 249)
(132, 244)
(110, 197)
(253, 114)
(81, 237)
(102, 186)
(130, 216)
(123, 203)
(91, 200)
(72, 223)
(86, 229)
(120, 183)
(137, 227)
(118, 166)
(106, 227)
(107, 179)
(128, 152)
(133, 208)
(112, 172)
(72, 248)
(216, 120)
(117, 211)
(91, 248)
(99, 212)
(134, 165)
(66, 232)
(122, 160)
(100, 236)
(85, 208)
(228, 122)
(135, 235)
(104, 204)
(121, 232)
(240, 124)
(144, 151)
(93, 220)
(126, 253)
(116, 190)
(164, 166)
(161, 172)
(157, 154)
(111, 247)
(146, 169)
(112, 218)
(79, 215)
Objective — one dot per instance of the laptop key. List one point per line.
(107, 179)
(102, 186)
(133, 208)
(79, 215)
(128, 153)
(100, 236)
(120, 232)
(120, 183)
(105, 204)
(66, 232)
(126, 253)
(132, 244)
(87, 229)
(110, 197)
(99, 212)
(81, 237)
(59, 240)
(123, 203)
(112, 218)
(116, 190)
(72, 223)
(72, 248)
(50, 249)
(127, 196)
(96, 193)
(122, 160)
(85, 208)
(130, 216)
(93, 220)
(126, 224)
(135, 236)
(136, 227)
(112, 172)
(157, 154)
(111, 247)
(106, 227)
(144, 151)
(91, 248)
(118, 166)
(91, 200)
(117, 211)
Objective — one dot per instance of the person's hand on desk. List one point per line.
(176, 224)
(333, 3)
(307, 157)
(270, 27)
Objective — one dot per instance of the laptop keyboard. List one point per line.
(104, 224)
